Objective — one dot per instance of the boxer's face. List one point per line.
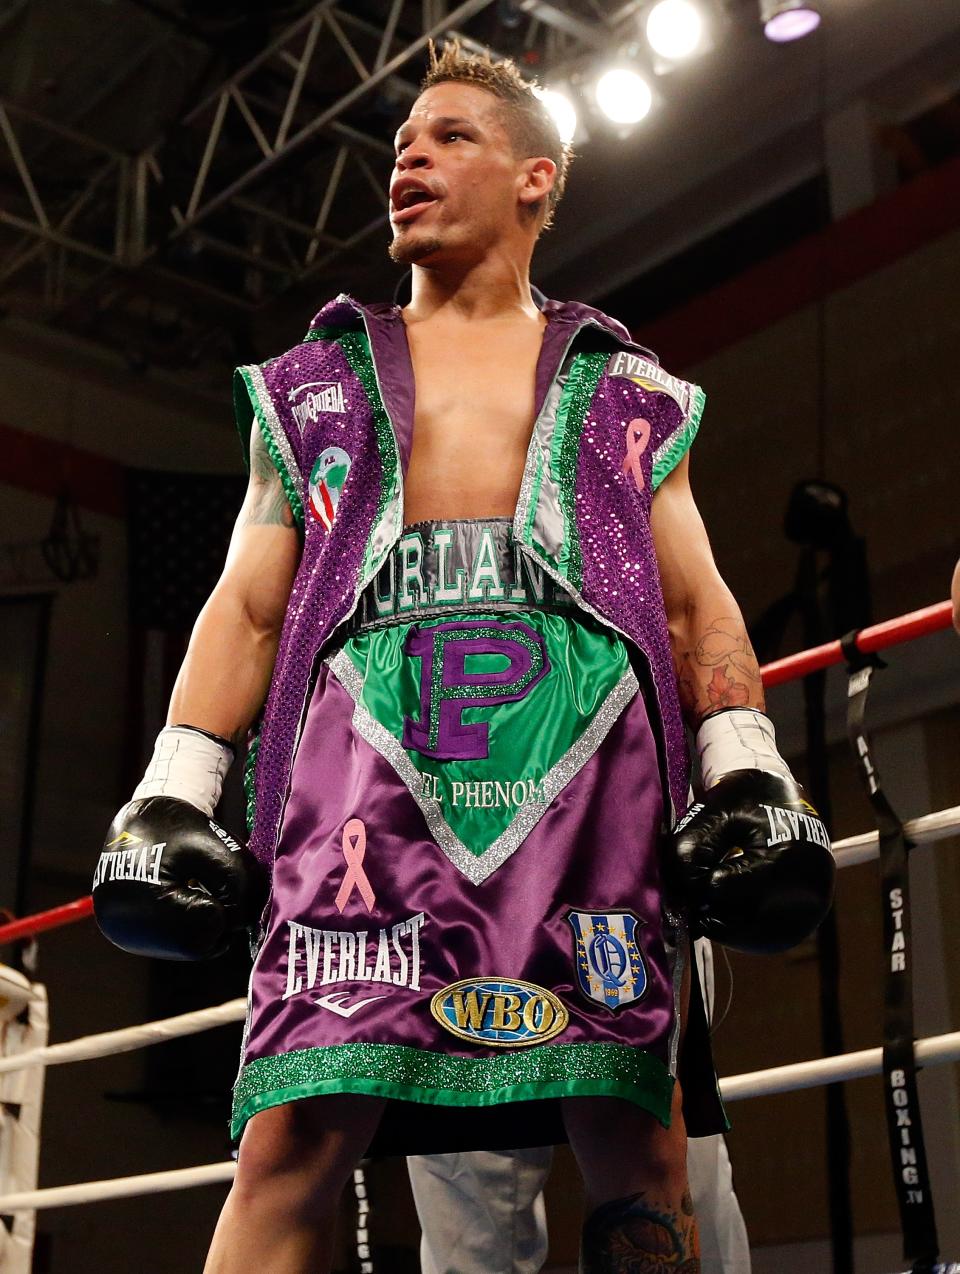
(456, 189)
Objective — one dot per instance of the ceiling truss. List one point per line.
(274, 178)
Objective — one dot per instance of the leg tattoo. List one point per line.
(637, 1236)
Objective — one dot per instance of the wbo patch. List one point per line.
(498, 1012)
(327, 477)
(610, 966)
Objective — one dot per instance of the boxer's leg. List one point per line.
(294, 1161)
(482, 1212)
(639, 1211)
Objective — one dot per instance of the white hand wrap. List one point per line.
(186, 764)
(741, 739)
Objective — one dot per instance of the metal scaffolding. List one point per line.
(276, 175)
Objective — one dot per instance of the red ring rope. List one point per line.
(891, 632)
(27, 926)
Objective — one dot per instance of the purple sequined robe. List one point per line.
(336, 413)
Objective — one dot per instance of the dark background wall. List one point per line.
(827, 341)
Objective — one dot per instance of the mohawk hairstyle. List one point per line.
(528, 123)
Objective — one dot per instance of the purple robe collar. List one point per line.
(391, 353)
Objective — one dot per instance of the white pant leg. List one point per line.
(724, 1246)
(482, 1212)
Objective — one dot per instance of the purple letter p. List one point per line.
(446, 688)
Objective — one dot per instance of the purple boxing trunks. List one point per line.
(466, 914)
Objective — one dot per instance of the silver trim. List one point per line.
(365, 577)
(548, 520)
(382, 534)
(277, 432)
(534, 447)
(681, 940)
(671, 439)
(660, 452)
(478, 868)
(669, 442)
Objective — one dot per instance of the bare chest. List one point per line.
(475, 404)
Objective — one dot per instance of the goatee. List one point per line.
(408, 251)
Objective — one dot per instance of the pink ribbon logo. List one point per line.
(638, 439)
(354, 846)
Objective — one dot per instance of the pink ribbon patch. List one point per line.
(638, 439)
(354, 846)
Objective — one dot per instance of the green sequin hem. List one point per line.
(571, 414)
(250, 780)
(244, 411)
(323, 334)
(410, 1074)
(670, 455)
(356, 350)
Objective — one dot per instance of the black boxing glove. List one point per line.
(753, 858)
(170, 882)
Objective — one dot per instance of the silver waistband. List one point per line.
(451, 566)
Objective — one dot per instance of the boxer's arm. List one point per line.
(715, 663)
(226, 673)
(743, 887)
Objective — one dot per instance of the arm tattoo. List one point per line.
(266, 504)
(638, 1235)
(720, 672)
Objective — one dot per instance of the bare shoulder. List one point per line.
(266, 503)
(674, 516)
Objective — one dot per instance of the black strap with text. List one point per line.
(904, 1126)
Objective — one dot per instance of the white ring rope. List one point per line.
(778, 1079)
(130, 1038)
(922, 831)
(829, 1070)
(119, 1187)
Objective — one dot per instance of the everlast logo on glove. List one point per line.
(181, 897)
(141, 863)
(754, 862)
(791, 825)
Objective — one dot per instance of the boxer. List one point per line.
(472, 595)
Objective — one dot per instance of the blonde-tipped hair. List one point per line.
(527, 122)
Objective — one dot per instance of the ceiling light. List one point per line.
(674, 29)
(562, 112)
(624, 96)
(785, 20)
